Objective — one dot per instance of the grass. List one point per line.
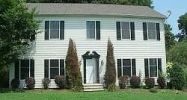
(129, 94)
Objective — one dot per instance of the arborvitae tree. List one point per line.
(74, 79)
(110, 74)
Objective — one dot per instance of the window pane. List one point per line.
(153, 62)
(54, 72)
(54, 63)
(127, 71)
(24, 73)
(24, 63)
(125, 30)
(54, 29)
(153, 71)
(153, 67)
(126, 62)
(90, 26)
(151, 30)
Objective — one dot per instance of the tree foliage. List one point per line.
(177, 77)
(178, 53)
(169, 37)
(73, 73)
(110, 73)
(17, 29)
(182, 24)
(124, 2)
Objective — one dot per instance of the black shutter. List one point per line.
(17, 69)
(98, 30)
(119, 67)
(32, 68)
(132, 31)
(62, 67)
(97, 72)
(146, 67)
(133, 67)
(46, 68)
(61, 30)
(159, 64)
(118, 31)
(46, 30)
(158, 31)
(144, 31)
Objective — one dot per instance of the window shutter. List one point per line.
(146, 67)
(46, 68)
(158, 31)
(98, 30)
(32, 68)
(132, 31)
(119, 67)
(17, 69)
(62, 67)
(118, 31)
(46, 30)
(159, 64)
(61, 30)
(144, 31)
(133, 67)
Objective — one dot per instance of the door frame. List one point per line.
(92, 55)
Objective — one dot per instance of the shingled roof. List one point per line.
(94, 9)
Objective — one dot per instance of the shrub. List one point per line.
(60, 81)
(161, 82)
(177, 77)
(46, 82)
(135, 81)
(30, 83)
(15, 83)
(123, 81)
(110, 73)
(73, 74)
(150, 82)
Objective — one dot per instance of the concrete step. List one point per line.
(93, 87)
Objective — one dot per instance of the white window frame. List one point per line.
(94, 29)
(122, 31)
(124, 66)
(150, 66)
(50, 30)
(25, 67)
(148, 30)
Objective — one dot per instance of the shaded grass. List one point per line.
(129, 94)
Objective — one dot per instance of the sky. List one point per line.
(177, 8)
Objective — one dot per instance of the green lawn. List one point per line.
(129, 94)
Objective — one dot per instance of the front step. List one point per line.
(93, 87)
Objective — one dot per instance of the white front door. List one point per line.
(90, 71)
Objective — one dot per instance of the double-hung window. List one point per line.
(93, 30)
(125, 30)
(24, 68)
(54, 30)
(53, 67)
(151, 31)
(126, 67)
(152, 67)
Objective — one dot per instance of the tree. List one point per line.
(17, 30)
(74, 79)
(169, 37)
(110, 73)
(182, 24)
(178, 54)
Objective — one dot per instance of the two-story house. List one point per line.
(137, 34)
